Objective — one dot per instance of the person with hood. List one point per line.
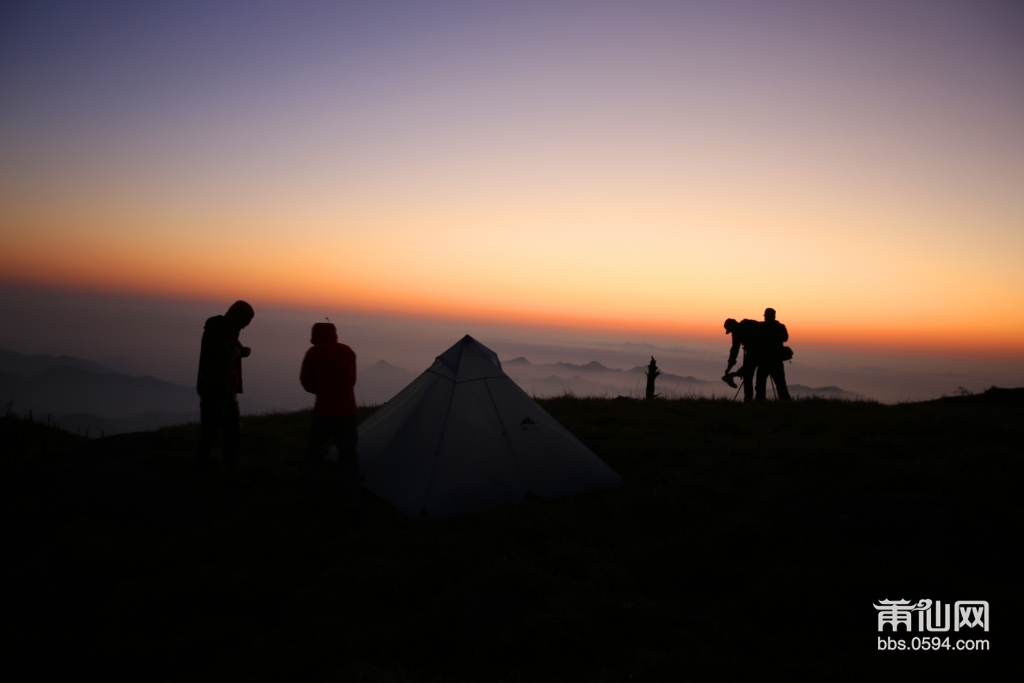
(775, 352)
(329, 371)
(748, 335)
(220, 382)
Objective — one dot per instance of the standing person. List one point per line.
(745, 333)
(771, 362)
(329, 371)
(220, 382)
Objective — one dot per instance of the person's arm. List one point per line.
(733, 353)
(214, 361)
(784, 333)
(204, 361)
(306, 374)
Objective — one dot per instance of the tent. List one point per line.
(463, 436)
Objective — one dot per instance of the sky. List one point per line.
(581, 172)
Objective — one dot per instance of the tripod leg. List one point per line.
(737, 394)
(775, 394)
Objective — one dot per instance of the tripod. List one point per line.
(743, 378)
(775, 394)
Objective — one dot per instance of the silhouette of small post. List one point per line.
(220, 381)
(329, 371)
(652, 373)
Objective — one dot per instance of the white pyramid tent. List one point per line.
(463, 436)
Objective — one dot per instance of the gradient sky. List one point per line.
(653, 167)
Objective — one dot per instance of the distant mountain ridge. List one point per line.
(23, 364)
(596, 379)
(83, 396)
(593, 366)
(380, 382)
(65, 390)
(86, 397)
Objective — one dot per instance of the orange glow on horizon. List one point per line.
(661, 282)
(934, 341)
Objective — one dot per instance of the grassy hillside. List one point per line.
(749, 542)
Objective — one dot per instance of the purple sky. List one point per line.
(646, 166)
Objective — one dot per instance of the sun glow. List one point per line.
(650, 172)
(658, 281)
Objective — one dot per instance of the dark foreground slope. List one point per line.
(749, 542)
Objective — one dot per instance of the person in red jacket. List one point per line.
(329, 371)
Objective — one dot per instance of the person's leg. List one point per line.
(760, 391)
(748, 377)
(346, 436)
(319, 433)
(210, 420)
(232, 433)
(779, 375)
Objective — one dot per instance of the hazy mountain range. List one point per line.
(595, 379)
(83, 396)
(380, 382)
(86, 397)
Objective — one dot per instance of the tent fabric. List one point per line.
(463, 436)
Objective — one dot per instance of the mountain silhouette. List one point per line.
(380, 382)
(596, 379)
(86, 397)
(22, 364)
(65, 390)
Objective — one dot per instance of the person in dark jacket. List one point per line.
(220, 382)
(770, 364)
(746, 334)
(329, 371)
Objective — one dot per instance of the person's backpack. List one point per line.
(787, 354)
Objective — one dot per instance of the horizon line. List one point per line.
(889, 340)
